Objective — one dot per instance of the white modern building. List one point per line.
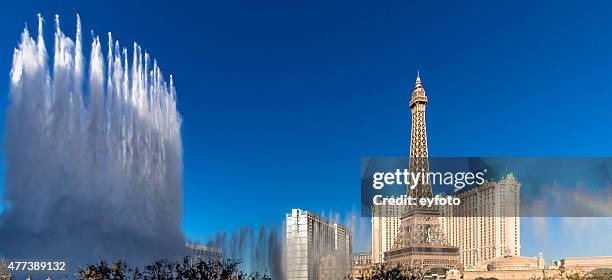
(312, 240)
(199, 252)
(362, 258)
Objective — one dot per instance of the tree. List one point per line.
(165, 269)
(385, 272)
(102, 271)
(5, 274)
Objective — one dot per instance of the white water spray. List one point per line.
(93, 170)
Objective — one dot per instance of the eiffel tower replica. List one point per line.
(420, 243)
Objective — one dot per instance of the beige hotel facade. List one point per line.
(485, 226)
(487, 223)
(385, 225)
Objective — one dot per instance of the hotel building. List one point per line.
(316, 247)
(385, 225)
(199, 252)
(362, 258)
(487, 223)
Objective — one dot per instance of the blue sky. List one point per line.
(281, 99)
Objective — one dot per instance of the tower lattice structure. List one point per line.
(419, 155)
(420, 242)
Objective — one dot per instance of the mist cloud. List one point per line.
(93, 157)
(260, 249)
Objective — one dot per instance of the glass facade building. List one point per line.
(311, 239)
